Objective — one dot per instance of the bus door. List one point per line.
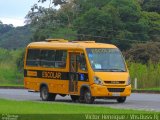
(73, 75)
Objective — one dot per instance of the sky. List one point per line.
(14, 11)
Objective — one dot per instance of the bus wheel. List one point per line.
(74, 98)
(121, 99)
(45, 95)
(87, 97)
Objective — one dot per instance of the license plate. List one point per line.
(115, 94)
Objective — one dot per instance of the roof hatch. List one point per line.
(56, 40)
(83, 41)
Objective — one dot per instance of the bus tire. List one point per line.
(45, 95)
(88, 97)
(74, 98)
(121, 99)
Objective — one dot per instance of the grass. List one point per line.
(60, 111)
(28, 107)
(150, 89)
(12, 85)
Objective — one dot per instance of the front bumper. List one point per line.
(103, 91)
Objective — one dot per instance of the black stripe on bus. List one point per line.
(55, 75)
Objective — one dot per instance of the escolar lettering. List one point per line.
(52, 75)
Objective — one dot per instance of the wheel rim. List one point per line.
(44, 93)
(121, 100)
(87, 96)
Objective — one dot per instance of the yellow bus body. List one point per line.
(114, 83)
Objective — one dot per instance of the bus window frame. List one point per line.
(42, 67)
(79, 62)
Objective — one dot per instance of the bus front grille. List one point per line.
(115, 89)
(114, 82)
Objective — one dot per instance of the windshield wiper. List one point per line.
(101, 69)
(116, 70)
(111, 70)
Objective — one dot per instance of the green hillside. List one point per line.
(14, 37)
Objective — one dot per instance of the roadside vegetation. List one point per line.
(149, 89)
(134, 26)
(9, 72)
(147, 75)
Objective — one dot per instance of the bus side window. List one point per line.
(60, 58)
(82, 63)
(53, 58)
(47, 58)
(33, 57)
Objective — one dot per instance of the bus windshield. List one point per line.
(106, 59)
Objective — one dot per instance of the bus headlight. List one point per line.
(128, 81)
(97, 80)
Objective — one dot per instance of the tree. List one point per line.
(55, 2)
(46, 21)
(83, 6)
(153, 21)
(114, 22)
(97, 22)
(151, 5)
(43, 22)
(4, 28)
(144, 53)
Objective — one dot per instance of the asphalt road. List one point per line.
(138, 101)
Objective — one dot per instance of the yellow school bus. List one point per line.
(85, 70)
